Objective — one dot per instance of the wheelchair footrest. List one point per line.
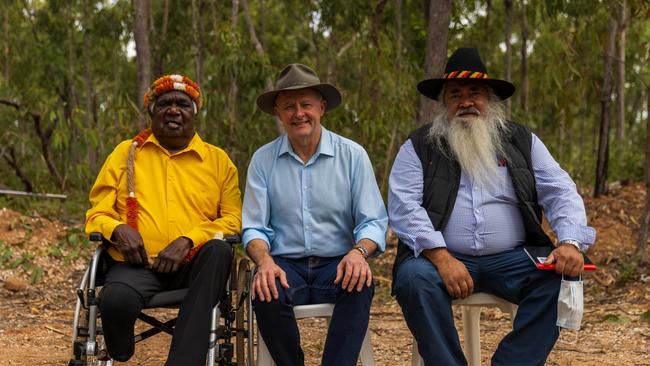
(226, 351)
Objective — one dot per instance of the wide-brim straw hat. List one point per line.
(294, 77)
(465, 64)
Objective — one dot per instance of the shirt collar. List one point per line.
(325, 145)
(195, 146)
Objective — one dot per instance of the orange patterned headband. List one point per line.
(465, 75)
(172, 82)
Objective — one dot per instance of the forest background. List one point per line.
(73, 72)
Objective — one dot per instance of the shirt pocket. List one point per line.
(504, 188)
(204, 201)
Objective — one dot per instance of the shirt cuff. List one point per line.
(108, 227)
(375, 235)
(432, 240)
(197, 237)
(585, 235)
(252, 234)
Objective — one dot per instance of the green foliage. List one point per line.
(616, 318)
(5, 254)
(72, 246)
(24, 261)
(645, 317)
(352, 44)
(628, 271)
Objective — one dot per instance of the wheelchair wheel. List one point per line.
(99, 357)
(243, 319)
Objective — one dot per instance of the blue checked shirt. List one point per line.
(322, 208)
(484, 221)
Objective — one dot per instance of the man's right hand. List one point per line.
(264, 281)
(130, 244)
(453, 272)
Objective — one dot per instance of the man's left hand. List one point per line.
(568, 260)
(353, 271)
(170, 258)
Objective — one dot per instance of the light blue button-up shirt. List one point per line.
(484, 220)
(322, 208)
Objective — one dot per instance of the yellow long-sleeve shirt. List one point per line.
(193, 193)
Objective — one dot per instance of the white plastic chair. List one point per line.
(471, 313)
(314, 311)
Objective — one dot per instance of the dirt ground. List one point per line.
(36, 321)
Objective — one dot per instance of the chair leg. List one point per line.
(416, 359)
(212, 346)
(472, 332)
(513, 313)
(366, 355)
(263, 356)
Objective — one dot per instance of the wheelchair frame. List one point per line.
(232, 318)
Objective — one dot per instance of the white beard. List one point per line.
(475, 143)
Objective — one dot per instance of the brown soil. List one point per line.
(36, 326)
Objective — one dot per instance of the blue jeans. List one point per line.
(311, 281)
(511, 275)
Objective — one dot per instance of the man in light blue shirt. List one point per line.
(467, 192)
(312, 216)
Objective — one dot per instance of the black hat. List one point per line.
(298, 76)
(465, 63)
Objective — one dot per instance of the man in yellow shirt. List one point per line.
(160, 199)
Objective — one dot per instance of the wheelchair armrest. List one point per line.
(95, 236)
(232, 239)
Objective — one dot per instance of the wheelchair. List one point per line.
(231, 320)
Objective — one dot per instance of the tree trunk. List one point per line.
(523, 87)
(45, 137)
(488, 11)
(10, 158)
(197, 27)
(605, 101)
(6, 49)
(158, 67)
(375, 88)
(641, 243)
(436, 52)
(507, 74)
(143, 53)
(259, 47)
(620, 77)
(251, 29)
(90, 122)
(398, 40)
(233, 90)
(68, 94)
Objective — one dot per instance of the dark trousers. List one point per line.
(311, 281)
(510, 275)
(128, 288)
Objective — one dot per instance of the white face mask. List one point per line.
(570, 304)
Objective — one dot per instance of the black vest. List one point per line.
(442, 179)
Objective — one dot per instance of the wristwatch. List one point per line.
(575, 243)
(364, 252)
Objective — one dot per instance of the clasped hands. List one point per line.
(130, 243)
(353, 272)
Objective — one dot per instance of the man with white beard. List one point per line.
(467, 192)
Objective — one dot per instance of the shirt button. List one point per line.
(477, 211)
